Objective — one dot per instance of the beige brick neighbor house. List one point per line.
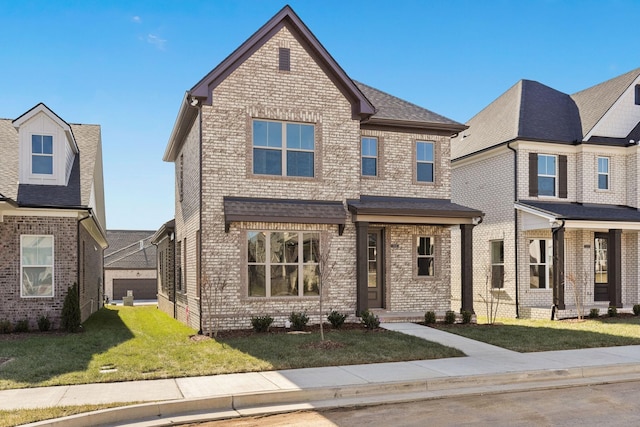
(284, 165)
(51, 216)
(558, 178)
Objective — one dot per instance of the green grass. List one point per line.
(144, 343)
(24, 416)
(524, 335)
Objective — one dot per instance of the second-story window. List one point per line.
(42, 154)
(603, 173)
(424, 161)
(281, 148)
(369, 148)
(546, 175)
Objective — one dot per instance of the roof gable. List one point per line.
(42, 108)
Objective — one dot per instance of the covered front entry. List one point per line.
(398, 224)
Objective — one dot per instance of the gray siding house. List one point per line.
(285, 165)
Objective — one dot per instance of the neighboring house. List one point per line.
(130, 265)
(282, 161)
(52, 216)
(164, 240)
(558, 177)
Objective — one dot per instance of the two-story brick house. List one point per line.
(282, 162)
(52, 216)
(557, 176)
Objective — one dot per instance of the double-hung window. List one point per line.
(42, 154)
(425, 252)
(603, 173)
(497, 264)
(540, 263)
(36, 264)
(281, 263)
(282, 148)
(369, 149)
(546, 175)
(425, 161)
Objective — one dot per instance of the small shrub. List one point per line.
(5, 327)
(612, 311)
(261, 323)
(369, 320)
(70, 321)
(429, 318)
(594, 313)
(466, 316)
(450, 317)
(336, 319)
(44, 324)
(21, 326)
(299, 320)
(636, 309)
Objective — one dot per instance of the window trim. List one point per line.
(496, 264)
(417, 162)
(376, 157)
(52, 266)
(52, 156)
(284, 150)
(607, 173)
(548, 264)
(268, 264)
(555, 176)
(417, 256)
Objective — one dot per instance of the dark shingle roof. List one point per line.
(410, 206)
(389, 107)
(585, 211)
(130, 249)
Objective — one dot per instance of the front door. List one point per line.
(601, 267)
(375, 258)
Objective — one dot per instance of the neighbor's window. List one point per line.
(42, 154)
(603, 173)
(281, 148)
(540, 263)
(637, 94)
(424, 161)
(369, 148)
(281, 263)
(36, 263)
(546, 175)
(425, 250)
(497, 264)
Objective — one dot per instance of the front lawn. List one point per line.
(134, 343)
(526, 335)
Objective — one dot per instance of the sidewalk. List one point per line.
(486, 369)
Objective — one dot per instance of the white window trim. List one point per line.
(433, 162)
(363, 156)
(554, 176)
(548, 263)
(268, 264)
(52, 155)
(53, 271)
(598, 173)
(491, 242)
(432, 256)
(284, 149)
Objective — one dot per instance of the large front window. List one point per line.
(540, 263)
(424, 162)
(282, 263)
(281, 148)
(36, 263)
(546, 175)
(42, 154)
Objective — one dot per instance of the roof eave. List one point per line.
(451, 127)
(186, 116)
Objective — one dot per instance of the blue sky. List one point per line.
(126, 64)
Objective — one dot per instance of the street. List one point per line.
(610, 405)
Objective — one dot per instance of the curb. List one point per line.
(232, 406)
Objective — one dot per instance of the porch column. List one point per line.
(614, 262)
(362, 269)
(558, 267)
(466, 261)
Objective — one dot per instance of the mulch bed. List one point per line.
(242, 333)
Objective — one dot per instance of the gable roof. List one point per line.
(584, 211)
(130, 249)
(391, 110)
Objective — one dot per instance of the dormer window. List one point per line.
(42, 154)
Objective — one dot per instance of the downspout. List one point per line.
(199, 254)
(515, 223)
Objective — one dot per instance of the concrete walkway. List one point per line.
(486, 369)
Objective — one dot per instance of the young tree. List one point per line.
(571, 282)
(491, 297)
(213, 299)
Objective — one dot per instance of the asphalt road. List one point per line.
(600, 405)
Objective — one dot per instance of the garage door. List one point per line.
(142, 288)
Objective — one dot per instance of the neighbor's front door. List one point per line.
(601, 267)
(375, 263)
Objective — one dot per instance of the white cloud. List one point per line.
(136, 19)
(156, 41)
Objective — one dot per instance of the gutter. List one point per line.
(515, 223)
